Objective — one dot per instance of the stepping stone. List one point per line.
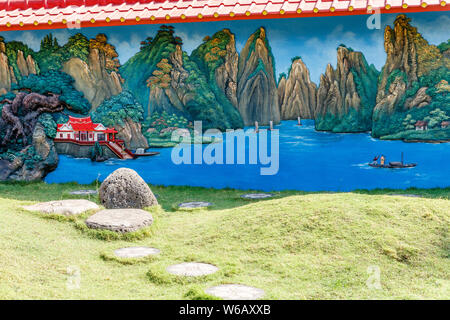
(194, 205)
(257, 196)
(192, 269)
(120, 220)
(235, 292)
(135, 252)
(84, 192)
(63, 207)
(407, 195)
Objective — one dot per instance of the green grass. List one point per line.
(297, 245)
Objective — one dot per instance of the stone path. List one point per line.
(84, 192)
(194, 205)
(235, 292)
(257, 196)
(192, 269)
(63, 207)
(120, 220)
(135, 252)
(407, 195)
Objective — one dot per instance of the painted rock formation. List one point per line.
(346, 96)
(409, 83)
(257, 90)
(218, 58)
(131, 133)
(97, 78)
(164, 78)
(34, 161)
(23, 64)
(297, 94)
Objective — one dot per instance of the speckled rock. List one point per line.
(120, 220)
(235, 292)
(63, 207)
(124, 188)
(192, 269)
(135, 252)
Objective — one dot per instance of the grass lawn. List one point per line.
(294, 246)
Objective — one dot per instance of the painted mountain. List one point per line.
(165, 78)
(297, 94)
(346, 96)
(257, 88)
(413, 89)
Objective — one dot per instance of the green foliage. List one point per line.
(398, 124)
(435, 118)
(139, 68)
(118, 108)
(77, 46)
(49, 125)
(58, 83)
(408, 122)
(259, 67)
(164, 120)
(355, 120)
(28, 156)
(444, 46)
(397, 73)
(51, 54)
(208, 104)
(281, 76)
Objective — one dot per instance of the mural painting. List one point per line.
(72, 95)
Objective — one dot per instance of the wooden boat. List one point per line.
(145, 154)
(393, 164)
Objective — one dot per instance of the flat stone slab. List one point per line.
(120, 220)
(192, 269)
(235, 292)
(194, 205)
(407, 195)
(63, 207)
(84, 192)
(135, 252)
(257, 196)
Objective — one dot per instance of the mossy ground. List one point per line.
(296, 245)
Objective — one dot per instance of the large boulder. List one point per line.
(124, 188)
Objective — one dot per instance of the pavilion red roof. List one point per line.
(50, 14)
(85, 124)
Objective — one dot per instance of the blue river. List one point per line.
(308, 160)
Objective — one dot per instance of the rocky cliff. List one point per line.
(93, 78)
(346, 96)
(409, 81)
(297, 94)
(257, 90)
(17, 62)
(218, 59)
(34, 161)
(164, 78)
(131, 133)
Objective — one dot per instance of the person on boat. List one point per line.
(382, 160)
(375, 160)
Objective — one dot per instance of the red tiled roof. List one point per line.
(50, 14)
(421, 123)
(85, 124)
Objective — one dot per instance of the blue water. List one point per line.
(309, 161)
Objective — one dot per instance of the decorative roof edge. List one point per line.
(73, 17)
